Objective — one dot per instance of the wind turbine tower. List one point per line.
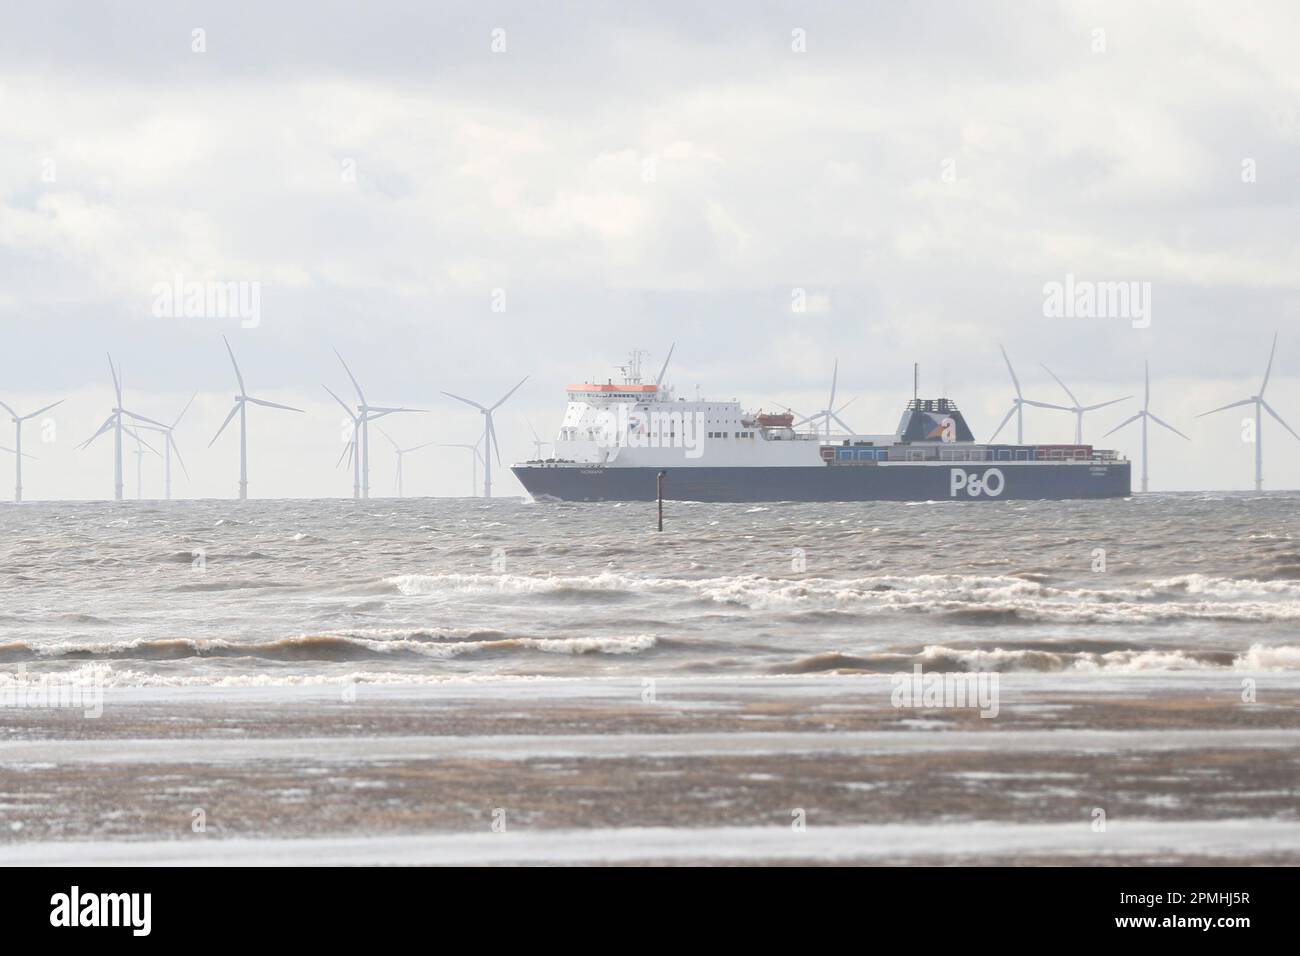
(240, 408)
(366, 413)
(400, 452)
(489, 433)
(18, 442)
(1144, 415)
(1260, 405)
(475, 457)
(114, 422)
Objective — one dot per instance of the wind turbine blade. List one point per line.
(845, 405)
(389, 437)
(1126, 421)
(1146, 383)
(355, 383)
(177, 448)
(12, 452)
(467, 401)
(1062, 384)
(1224, 408)
(388, 410)
(351, 414)
(40, 411)
(265, 404)
(805, 421)
(1166, 425)
(508, 394)
(1002, 424)
(1269, 408)
(233, 411)
(492, 433)
(343, 454)
(139, 441)
(1093, 408)
(1014, 381)
(12, 414)
(660, 377)
(141, 418)
(835, 377)
(117, 385)
(238, 376)
(184, 410)
(1059, 408)
(848, 428)
(108, 423)
(791, 411)
(536, 437)
(425, 445)
(1269, 368)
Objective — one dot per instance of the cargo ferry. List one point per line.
(620, 441)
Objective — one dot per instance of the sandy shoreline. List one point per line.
(709, 771)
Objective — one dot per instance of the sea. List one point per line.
(186, 593)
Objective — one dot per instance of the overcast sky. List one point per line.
(629, 175)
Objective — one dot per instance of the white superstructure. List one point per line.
(645, 425)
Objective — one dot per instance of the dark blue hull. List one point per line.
(967, 481)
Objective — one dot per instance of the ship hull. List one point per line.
(969, 481)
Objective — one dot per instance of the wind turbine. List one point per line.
(475, 457)
(169, 445)
(366, 413)
(830, 412)
(350, 451)
(140, 452)
(1144, 415)
(1259, 403)
(1017, 406)
(18, 442)
(537, 439)
(489, 433)
(400, 452)
(1076, 408)
(114, 421)
(240, 408)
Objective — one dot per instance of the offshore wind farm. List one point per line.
(602, 448)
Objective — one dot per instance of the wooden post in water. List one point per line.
(659, 496)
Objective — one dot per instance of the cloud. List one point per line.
(631, 177)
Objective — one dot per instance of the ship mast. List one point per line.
(632, 370)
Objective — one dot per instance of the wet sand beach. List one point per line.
(711, 771)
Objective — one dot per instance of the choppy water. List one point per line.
(315, 591)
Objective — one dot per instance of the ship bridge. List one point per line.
(610, 392)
